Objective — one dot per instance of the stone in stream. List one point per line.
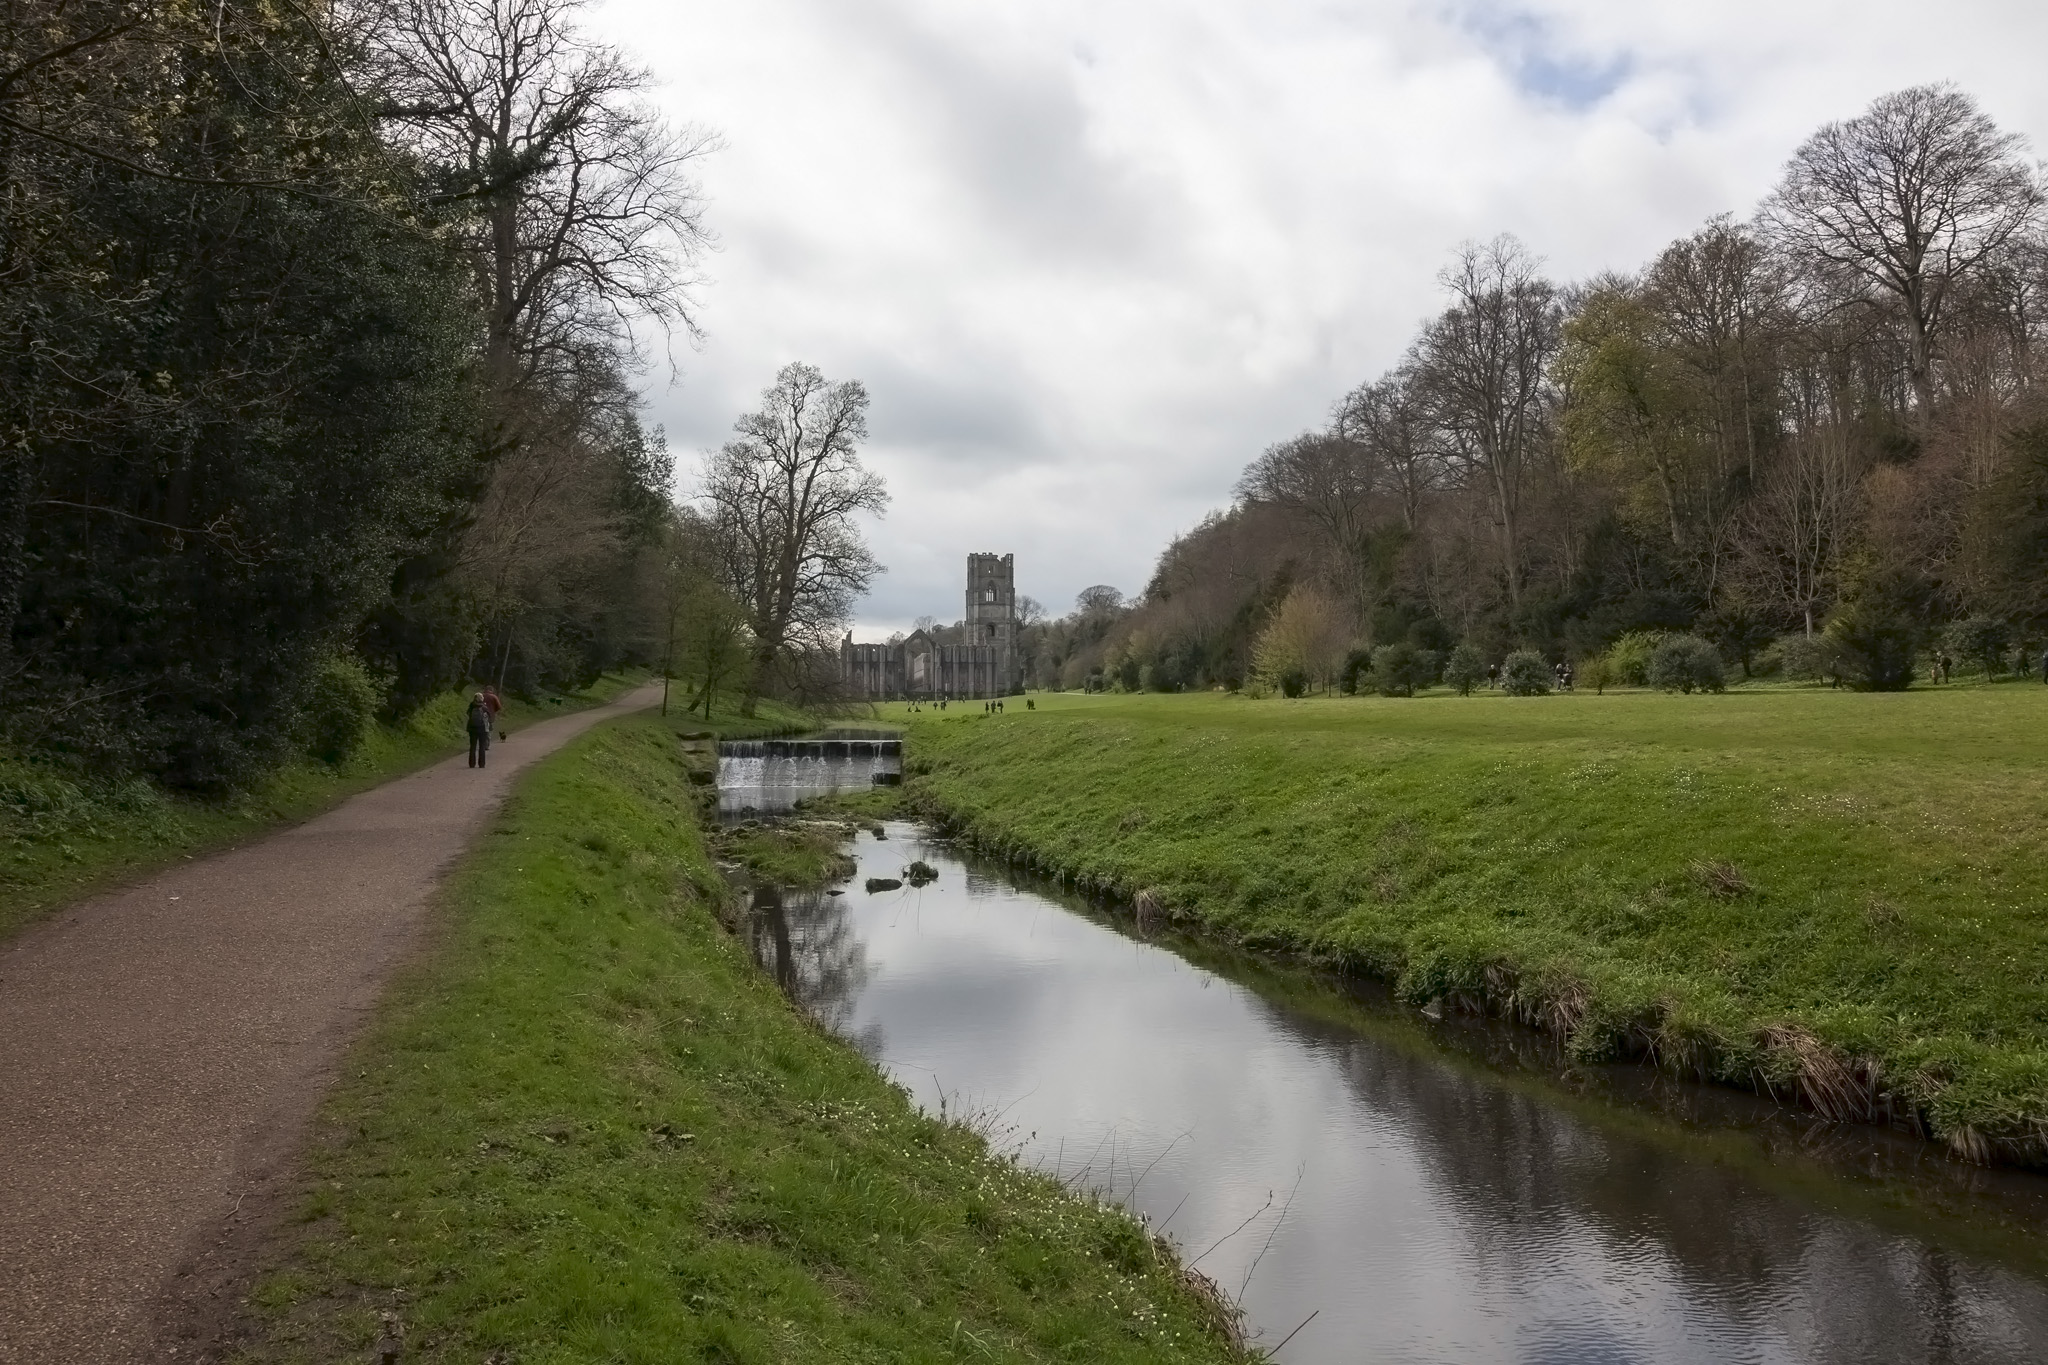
(883, 884)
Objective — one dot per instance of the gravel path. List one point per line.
(162, 1049)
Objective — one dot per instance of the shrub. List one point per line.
(1808, 658)
(1685, 663)
(1525, 673)
(1981, 639)
(1880, 629)
(1594, 672)
(1293, 682)
(1398, 669)
(1465, 669)
(1628, 659)
(1356, 665)
(341, 701)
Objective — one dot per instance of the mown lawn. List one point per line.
(589, 1129)
(1841, 893)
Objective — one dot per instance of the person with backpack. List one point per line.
(479, 730)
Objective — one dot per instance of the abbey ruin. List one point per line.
(921, 669)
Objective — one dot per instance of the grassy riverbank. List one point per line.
(588, 1128)
(1843, 895)
(62, 838)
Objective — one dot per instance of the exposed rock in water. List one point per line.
(920, 873)
(883, 884)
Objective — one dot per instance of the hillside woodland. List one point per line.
(1814, 439)
(317, 350)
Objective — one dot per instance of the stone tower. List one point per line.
(992, 614)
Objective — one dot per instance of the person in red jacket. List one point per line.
(479, 731)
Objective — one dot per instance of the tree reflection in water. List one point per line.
(807, 942)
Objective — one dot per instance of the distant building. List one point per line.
(919, 669)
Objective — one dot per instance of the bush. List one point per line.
(1880, 628)
(1981, 639)
(1808, 658)
(1628, 659)
(1293, 683)
(1525, 674)
(1398, 669)
(1356, 665)
(1593, 672)
(341, 701)
(1465, 669)
(1686, 663)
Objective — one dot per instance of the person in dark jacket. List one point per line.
(479, 731)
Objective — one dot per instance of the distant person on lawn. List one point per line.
(479, 730)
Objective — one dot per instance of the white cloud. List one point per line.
(1091, 257)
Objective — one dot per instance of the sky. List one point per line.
(1090, 257)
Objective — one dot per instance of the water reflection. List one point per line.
(1321, 1157)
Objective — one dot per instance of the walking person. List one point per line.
(490, 696)
(479, 730)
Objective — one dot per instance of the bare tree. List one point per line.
(1326, 480)
(1389, 419)
(1486, 362)
(784, 496)
(1908, 199)
(585, 214)
(1796, 529)
(1722, 299)
(1099, 600)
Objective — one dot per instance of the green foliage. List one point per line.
(1398, 669)
(1808, 658)
(233, 411)
(341, 705)
(1628, 658)
(1981, 639)
(1880, 629)
(1465, 669)
(1595, 672)
(592, 1129)
(1525, 673)
(1686, 663)
(1571, 861)
(1293, 683)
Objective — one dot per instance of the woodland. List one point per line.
(1812, 441)
(321, 337)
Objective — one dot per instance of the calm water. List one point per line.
(1426, 1190)
(750, 778)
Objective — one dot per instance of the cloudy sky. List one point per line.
(1090, 256)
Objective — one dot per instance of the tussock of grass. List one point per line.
(590, 1129)
(1838, 897)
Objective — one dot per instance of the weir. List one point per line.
(809, 748)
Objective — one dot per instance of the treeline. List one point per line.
(1824, 423)
(317, 332)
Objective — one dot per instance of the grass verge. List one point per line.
(1839, 897)
(587, 1128)
(62, 838)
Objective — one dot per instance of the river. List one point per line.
(1411, 1189)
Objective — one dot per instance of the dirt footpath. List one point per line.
(162, 1048)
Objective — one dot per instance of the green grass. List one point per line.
(589, 1129)
(1835, 894)
(62, 838)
